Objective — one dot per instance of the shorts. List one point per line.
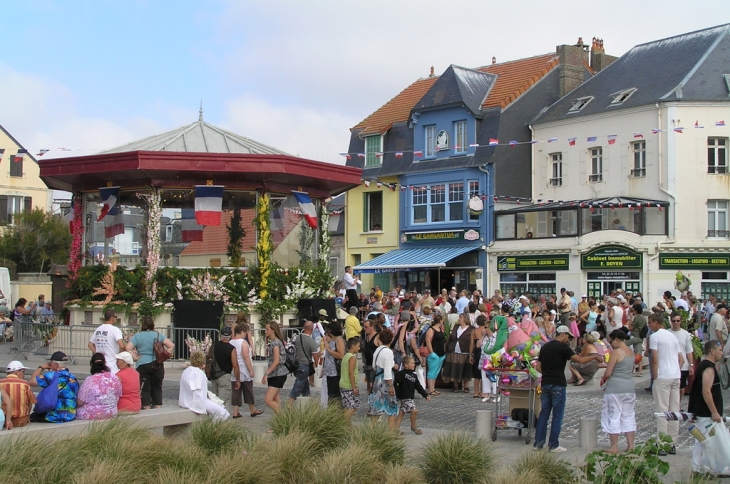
(407, 405)
(246, 391)
(369, 373)
(349, 399)
(684, 375)
(617, 415)
(276, 381)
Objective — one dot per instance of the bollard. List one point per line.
(484, 423)
(588, 433)
(303, 401)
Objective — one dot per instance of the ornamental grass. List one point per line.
(550, 468)
(329, 426)
(388, 446)
(457, 458)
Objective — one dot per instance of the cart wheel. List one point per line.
(494, 434)
(519, 433)
(527, 439)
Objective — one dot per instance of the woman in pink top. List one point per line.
(100, 392)
(130, 401)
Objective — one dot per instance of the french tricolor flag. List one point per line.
(638, 135)
(571, 141)
(113, 218)
(720, 124)
(612, 139)
(208, 204)
(191, 230)
(493, 142)
(308, 212)
(19, 155)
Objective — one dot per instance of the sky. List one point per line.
(78, 77)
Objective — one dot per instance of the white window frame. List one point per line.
(638, 150)
(596, 160)
(717, 219)
(461, 138)
(579, 103)
(16, 205)
(429, 137)
(717, 156)
(373, 144)
(367, 226)
(621, 96)
(438, 194)
(556, 169)
(169, 230)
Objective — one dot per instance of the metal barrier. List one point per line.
(261, 349)
(188, 340)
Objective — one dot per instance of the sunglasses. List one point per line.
(676, 320)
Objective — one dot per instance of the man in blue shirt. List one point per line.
(462, 303)
(68, 389)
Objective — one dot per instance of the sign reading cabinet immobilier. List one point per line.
(613, 256)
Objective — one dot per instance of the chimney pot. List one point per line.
(494, 60)
(580, 42)
(432, 74)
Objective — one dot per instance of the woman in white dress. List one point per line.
(194, 390)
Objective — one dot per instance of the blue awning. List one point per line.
(410, 259)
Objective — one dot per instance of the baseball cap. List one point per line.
(564, 329)
(322, 312)
(226, 331)
(523, 297)
(59, 356)
(583, 295)
(15, 365)
(126, 356)
(620, 297)
(552, 311)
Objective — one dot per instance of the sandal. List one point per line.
(477, 396)
(456, 390)
(581, 382)
(466, 390)
(237, 416)
(573, 380)
(256, 413)
(435, 393)
(417, 431)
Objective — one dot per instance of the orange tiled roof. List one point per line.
(515, 77)
(397, 109)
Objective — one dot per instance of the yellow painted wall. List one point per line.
(366, 244)
(30, 184)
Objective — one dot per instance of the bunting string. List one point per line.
(610, 138)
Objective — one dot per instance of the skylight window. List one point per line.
(621, 96)
(579, 104)
(727, 81)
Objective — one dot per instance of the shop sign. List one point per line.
(519, 263)
(708, 262)
(446, 236)
(384, 271)
(613, 276)
(611, 257)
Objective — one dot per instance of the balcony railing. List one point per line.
(720, 234)
(556, 182)
(595, 178)
(638, 172)
(717, 169)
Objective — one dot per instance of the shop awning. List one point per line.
(410, 259)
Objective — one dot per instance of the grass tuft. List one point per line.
(214, 437)
(327, 426)
(400, 474)
(457, 458)
(552, 469)
(352, 464)
(387, 445)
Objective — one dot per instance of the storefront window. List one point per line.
(528, 283)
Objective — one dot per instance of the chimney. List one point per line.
(571, 70)
(431, 74)
(494, 60)
(599, 59)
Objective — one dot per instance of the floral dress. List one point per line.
(380, 401)
(100, 394)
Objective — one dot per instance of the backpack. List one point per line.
(644, 331)
(422, 334)
(212, 368)
(291, 358)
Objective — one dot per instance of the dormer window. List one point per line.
(579, 104)
(621, 96)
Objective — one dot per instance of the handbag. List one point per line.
(161, 353)
(717, 449)
(48, 397)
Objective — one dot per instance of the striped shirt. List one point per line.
(20, 393)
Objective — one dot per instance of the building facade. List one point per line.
(630, 180)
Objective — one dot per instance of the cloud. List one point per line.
(300, 131)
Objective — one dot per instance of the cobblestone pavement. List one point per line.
(456, 411)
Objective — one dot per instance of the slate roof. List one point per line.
(198, 137)
(687, 67)
(456, 86)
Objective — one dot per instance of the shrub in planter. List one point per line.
(213, 437)
(327, 425)
(388, 446)
(638, 466)
(292, 455)
(353, 463)
(400, 474)
(550, 468)
(457, 458)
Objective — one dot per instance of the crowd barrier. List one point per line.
(261, 349)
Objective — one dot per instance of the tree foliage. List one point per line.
(36, 240)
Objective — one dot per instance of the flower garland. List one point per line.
(154, 214)
(325, 242)
(264, 246)
(77, 230)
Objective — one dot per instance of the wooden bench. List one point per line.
(173, 421)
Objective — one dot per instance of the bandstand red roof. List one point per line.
(173, 169)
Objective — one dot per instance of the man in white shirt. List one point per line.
(666, 364)
(685, 344)
(717, 329)
(351, 284)
(108, 340)
(681, 303)
(564, 306)
(615, 316)
(462, 303)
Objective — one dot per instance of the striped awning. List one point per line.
(410, 259)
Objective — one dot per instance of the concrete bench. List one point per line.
(172, 420)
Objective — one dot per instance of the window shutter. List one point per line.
(542, 224)
(4, 209)
(365, 214)
(28, 204)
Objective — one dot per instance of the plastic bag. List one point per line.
(421, 374)
(716, 454)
